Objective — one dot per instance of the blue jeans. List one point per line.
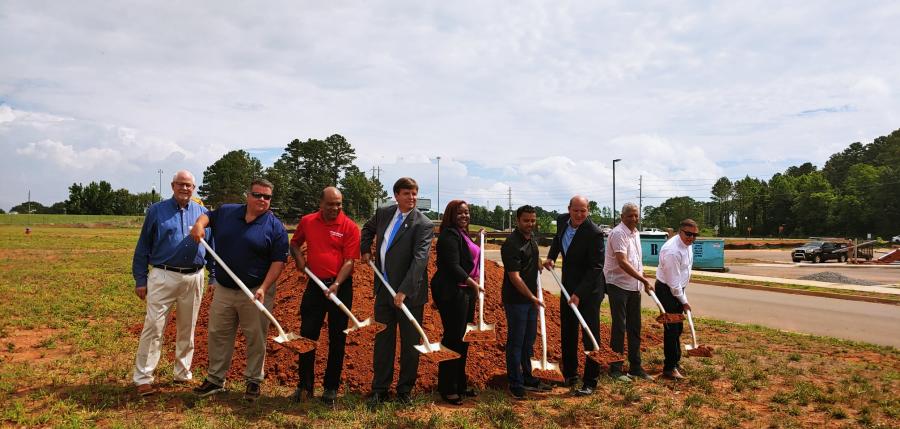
(521, 322)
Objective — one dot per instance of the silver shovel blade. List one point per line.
(544, 366)
(436, 352)
(376, 327)
(295, 342)
(483, 333)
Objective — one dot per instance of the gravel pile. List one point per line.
(832, 277)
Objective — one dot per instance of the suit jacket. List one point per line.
(582, 271)
(454, 263)
(407, 258)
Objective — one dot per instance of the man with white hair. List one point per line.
(624, 273)
(176, 278)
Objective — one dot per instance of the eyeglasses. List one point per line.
(259, 195)
(691, 234)
(183, 185)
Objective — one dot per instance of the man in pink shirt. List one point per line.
(624, 273)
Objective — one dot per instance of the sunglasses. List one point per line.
(261, 195)
(691, 234)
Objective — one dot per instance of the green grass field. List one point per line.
(66, 296)
(83, 221)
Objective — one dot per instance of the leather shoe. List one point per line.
(377, 399)
(404, 398)
(469, 393)
(570, 382)
(641, 374)
(329, 396)
(673, 374)
(452, 399)
(584, 391)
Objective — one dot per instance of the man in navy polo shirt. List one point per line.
(254, 244)
(176, 278)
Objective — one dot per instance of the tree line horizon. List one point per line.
(856, 193)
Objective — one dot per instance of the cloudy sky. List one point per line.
(538, 97)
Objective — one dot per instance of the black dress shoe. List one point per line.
(377, 399)
(404, 398)
(584, 391)
(452, 399)
(570, 381)
(329, 396)
(469, 393)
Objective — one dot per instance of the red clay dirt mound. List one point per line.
(486, 364)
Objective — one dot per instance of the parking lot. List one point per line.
(777, 263)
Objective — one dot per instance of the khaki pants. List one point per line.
(165, 288)
(231, 308)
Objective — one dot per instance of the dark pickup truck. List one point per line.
(820, 251)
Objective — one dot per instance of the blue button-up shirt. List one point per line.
(568, 235)
(247, 248)
(165, 239)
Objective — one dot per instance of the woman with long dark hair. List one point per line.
(454, 290)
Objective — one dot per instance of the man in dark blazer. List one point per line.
(401, 253)
(581, 244)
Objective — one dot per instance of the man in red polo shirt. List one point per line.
(332, 244)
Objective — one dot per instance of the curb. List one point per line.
(799, 292)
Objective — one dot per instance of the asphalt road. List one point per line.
(851, 320)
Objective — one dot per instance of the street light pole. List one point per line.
(439, 187)
(614, 190)
(160, 183)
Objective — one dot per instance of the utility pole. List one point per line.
(439, 187)
(509, 196)
(29, 202)
(614, 191)
(160, 183)
(376, 169)
(640, 200)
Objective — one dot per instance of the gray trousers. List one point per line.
(231, 308)
(625, 309)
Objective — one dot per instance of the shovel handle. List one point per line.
(658, 304)
(584, 325)
(540, 294)
(403, 307)
(693, 332)
(481, 280)
(332, 297)
(243, 287)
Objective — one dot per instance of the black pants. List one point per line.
(386, 344)
(313, 308)
(456, 311)
(671, 331)
(625, 308)
(589, 307)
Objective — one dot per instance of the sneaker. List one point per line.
(619, 376)
(517, 392)
(585, 391)
(329, 397)
(537, 386)
(641, 374)
(252, 392)
(207, 388)
(145, 389)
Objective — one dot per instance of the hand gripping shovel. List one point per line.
(543, 364)
(434, 351)
(354, 324)
(480, 331)
(290, 339)
(694, 349)
(663, 316)
(596, 354)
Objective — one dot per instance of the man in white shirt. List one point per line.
(624, 273)
(675, 260)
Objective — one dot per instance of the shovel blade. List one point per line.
(436, 352)
(295, 342)
(483, 333)
(604, 357)
(544, 366)
(699, 351)
(365, 325)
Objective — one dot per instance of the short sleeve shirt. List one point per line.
(247, 248)
(623, 240)
(519, 254)
(328, 244)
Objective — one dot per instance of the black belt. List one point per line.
(189, 270)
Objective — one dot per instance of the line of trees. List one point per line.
(96, 198)
(856, 193)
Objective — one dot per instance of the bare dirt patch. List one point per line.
(33, 345)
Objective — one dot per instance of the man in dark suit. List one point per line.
(401, 253)
(581, 244)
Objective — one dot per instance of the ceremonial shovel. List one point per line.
(663, 316)
(480, 331)
(596, 355)
(694, 349)
(434, 351)
(302, 345)
(543, 364)
(354, 324)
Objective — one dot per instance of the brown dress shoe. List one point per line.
(145, 389)
(673, 374)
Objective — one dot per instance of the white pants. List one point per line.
(165, 288)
